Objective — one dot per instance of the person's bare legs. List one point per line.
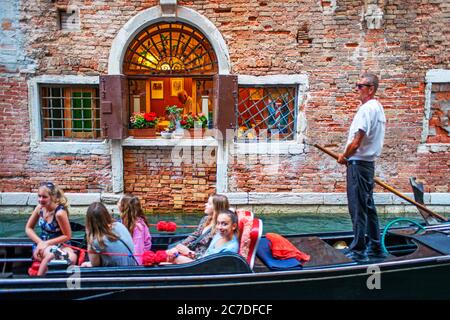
(72, 255)
(44, 262)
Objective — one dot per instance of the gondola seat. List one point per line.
(250, 231)
(264, 253)
(220, 263)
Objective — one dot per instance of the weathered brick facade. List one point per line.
(14, 134)
(22, 170)
(163, 185)
(329, 41)
(333, 51)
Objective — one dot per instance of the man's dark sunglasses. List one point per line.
(361, 85)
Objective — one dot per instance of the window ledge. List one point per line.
(161, 142)
(72, 147)
(281, 147)
(433, 147)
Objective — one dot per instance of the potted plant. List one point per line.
(195, 124)
(174, 115)
(143, 125)
(187, 121)
(201, 118)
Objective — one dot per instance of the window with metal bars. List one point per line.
(266, 113)
(70, 113)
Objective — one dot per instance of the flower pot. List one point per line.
(142, 133)
(194, 133)
(198, 125)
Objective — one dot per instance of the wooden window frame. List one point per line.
(67, 116)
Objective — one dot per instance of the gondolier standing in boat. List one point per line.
(364, 145)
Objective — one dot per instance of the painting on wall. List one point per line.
(177, 85)
(157, 90)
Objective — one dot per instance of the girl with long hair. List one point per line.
(109, 242)
(225, 237)
(134, 219)
(196, 243)
(52, 216)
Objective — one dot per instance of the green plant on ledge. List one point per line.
(143, 120)
(174, 112)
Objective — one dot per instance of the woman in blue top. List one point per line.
(109, 242)
(52, 216)
(224, 240)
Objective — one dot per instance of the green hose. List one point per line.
(383, 236)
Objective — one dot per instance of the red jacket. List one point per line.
(282, 248)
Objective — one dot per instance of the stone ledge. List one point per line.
(15, 198)
(338, 198)
(85, 148)
(237, 198)
(110, 198)
(314, 199)
(433, 147)
(160, 142)
(82, 199)
(269, 148)
(285, 198)
(382, 198)
(440, 198)
(438, 76)
(31, 199)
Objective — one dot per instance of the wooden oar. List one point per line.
(391, 189)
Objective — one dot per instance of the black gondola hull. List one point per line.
(228, 276)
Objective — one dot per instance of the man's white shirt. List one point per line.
(369, 118)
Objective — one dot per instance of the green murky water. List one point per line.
(13, 225)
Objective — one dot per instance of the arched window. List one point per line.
(170, 48)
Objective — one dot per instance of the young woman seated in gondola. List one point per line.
(133, 218)
(196, 243)
(52, 216)
(109, 242)
(224, 239)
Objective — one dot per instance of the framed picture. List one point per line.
(157, 89)
(177, 85)
(256, 94)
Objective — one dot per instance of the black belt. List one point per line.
(360, 162)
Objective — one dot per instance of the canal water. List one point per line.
(12, 225)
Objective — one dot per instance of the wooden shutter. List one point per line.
(114, 106)
(225, 102)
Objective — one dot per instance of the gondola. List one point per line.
(417, 267)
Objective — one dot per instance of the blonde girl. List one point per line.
(52, 216)
(196, 244)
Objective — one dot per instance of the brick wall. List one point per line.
(333, 47)
(269, 173)
(326, 40)
(21, 169)
(164, 185)
(14, 134)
